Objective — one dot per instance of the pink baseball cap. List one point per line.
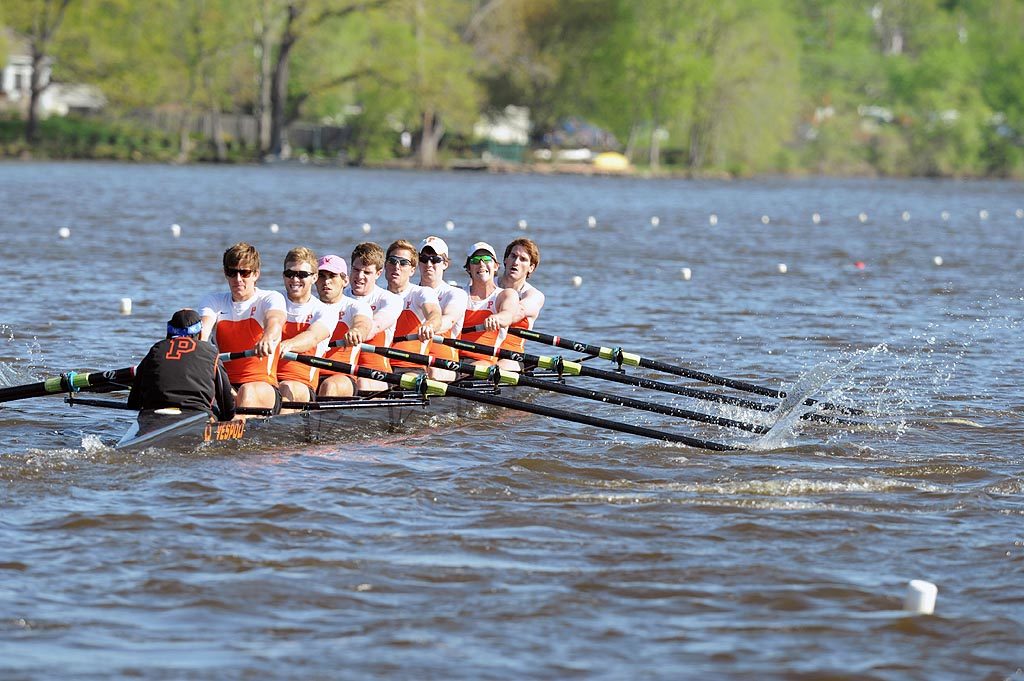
(333, 263)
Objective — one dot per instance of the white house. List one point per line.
(58, 99)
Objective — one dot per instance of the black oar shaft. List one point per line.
(578, 369)
(515, 378)
(631, 359)
(69, 382)
(414, 382)
(617, 355)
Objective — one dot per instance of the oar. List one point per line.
(505, 377)
(563, 366)
(617, 355)
(426, 386)
(69, 382)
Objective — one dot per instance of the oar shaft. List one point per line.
(617, 355)
(516, 378)
(430, 387)
(579, 369)
(68, 383)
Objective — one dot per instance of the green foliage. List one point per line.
(925, 87)
(88, 138)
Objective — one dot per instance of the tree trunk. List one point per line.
(35, 92)
(262, 112)
(279, 86)
(655, 151)
(433, 131)
(634, 134)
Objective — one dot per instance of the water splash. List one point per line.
(792, 408)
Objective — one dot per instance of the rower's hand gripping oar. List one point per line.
(569, 368)
(70, 382)
(620, 357)
(505, 377)
(426, 386)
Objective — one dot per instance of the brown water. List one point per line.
(513, 546)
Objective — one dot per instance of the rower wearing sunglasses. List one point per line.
(307, 327)
(421, 311)
(434, 261)
(246, 318)
(367, 265)
(521, 259)
(490, 307)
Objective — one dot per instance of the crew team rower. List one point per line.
(433, 261)
(308, 325)
(421, 311)
(354, 321)
(246, 318)
(490, 307)
(184, 372)
(521, 259)
(367, 265)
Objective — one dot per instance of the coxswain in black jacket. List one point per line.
(183, 371)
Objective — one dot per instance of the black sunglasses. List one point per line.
(395, 260)
(232, 272)
(297, 274)
(432, 259)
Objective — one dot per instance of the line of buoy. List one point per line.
(176, 230)
(274, 228)
(64, 233)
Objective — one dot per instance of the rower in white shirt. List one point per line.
(355, 319)
(521, 259)
(421, 311)
(433, 261)
(367, 265)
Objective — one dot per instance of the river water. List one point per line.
(504, 545)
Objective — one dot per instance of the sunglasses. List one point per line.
(395, 260)
(432, 259)
(477, 259)
(232, 272)
(297, 274)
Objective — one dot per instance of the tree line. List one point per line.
(923, 87)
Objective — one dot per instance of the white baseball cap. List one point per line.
(436, 244)
(482, 246)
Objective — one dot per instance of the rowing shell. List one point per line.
(334, 421)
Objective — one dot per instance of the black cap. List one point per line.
(185, 322)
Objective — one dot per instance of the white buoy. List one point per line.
(175, 230)
(655, 221)
(945, 216)
(782, 268)
(920, 597)
(126, 306)
(712, 219)
(591, 221)
(577, 281)
(685, 273)
(983, 214)
(64, 232)
(523, 224)
(274, 228)
(816, 218)
(863, 217)
(937, 260)
(765, 220)
(906, 216)
(449, 225)
(366, 228)
(1019, 213)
